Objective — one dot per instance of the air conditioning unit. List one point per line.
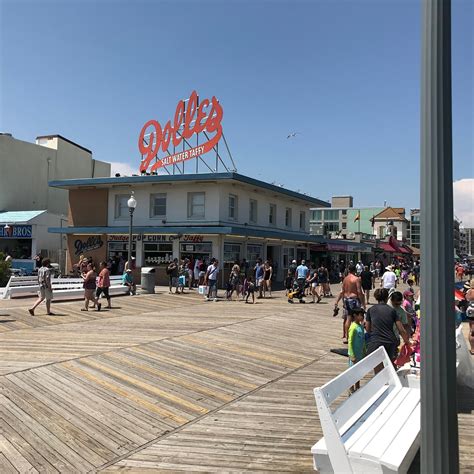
(333, 235)
(350, 235)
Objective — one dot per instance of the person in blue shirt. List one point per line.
(127, 280)
(301, 274)
(259, 273)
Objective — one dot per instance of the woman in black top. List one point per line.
(380, 321)
(367, 282)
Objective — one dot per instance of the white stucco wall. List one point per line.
(26, 168)
(216, 205)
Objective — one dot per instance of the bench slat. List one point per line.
(382, 430)
(349, 377)
(401, 452)
(363, 398)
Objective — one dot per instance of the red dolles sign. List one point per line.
(194, 119)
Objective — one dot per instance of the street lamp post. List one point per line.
(132, 204)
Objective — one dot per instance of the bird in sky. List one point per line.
(291, 135)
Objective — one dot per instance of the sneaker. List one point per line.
(215, 299)
(206, 298)
(31, 311)
(99, 305)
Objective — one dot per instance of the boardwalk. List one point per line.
(167, 382)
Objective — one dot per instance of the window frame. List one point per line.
(255, 202)
(302, 220)
(118, 207)
(152, 205)
(288, 217)
(270, 214)
(191, 205)
(235, 207)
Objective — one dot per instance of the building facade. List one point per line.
(224, 215)
(415, 228)
(469, 231)
(25, 169)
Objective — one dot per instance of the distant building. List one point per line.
(391, 221)
(457, 237)
(469, 231)
(415, 228)
(27, 204)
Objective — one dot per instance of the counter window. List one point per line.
(155, 254)
(253, 252)
(232, 252)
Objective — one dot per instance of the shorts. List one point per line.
(349, 305)
(314, 285)
(391, 348)
(259, 281)
(46, 293)
(89, 294)
(101, 290)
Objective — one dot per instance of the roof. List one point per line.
(18, 217)
(66, 140)
(144, 180)
(386, 247)
(392, 213)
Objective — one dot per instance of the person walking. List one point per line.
(45, 289)
(389, 279)
(302, 272)
(89, 288)
(197, 267)
(173, 270)
(381, 319)
(259, 274)
(234, 282)
(210, 279)
(367, 282)
(267, 278)
(352, 297)
(313, 282)
(103, 283)
(249, 289)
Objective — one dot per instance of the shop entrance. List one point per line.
(118, 253)
(191, 251)
(17, 248)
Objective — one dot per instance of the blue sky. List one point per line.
(344, 74)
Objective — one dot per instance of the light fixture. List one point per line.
(132, 202)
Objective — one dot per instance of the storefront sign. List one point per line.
(189, 119)
(193, 238)
(16, 232)
(92, 243)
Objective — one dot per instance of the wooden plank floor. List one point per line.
(167, 382)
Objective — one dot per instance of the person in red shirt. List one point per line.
(103, 283)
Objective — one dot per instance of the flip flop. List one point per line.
(31, 311)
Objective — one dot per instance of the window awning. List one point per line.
(386, 247)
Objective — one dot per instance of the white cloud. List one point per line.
(464, 201)
(123, 168)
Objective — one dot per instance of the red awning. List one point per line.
(403, 250)
(386, 247)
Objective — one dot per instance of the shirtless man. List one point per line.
(352, 296)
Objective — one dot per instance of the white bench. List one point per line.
(376, 429)
(62, 287)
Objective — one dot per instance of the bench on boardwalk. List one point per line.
(62, 287)
(376, 429)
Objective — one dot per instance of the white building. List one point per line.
(25, 169)
(222, 215)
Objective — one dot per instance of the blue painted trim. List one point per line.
(68, 183)
(220, 230)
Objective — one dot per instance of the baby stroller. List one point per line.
(297, 292)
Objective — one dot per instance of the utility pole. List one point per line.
(439, 426)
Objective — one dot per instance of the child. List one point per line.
(288, 282)
(410, 286)
(249, 288)
(356, 343)
(409, 306)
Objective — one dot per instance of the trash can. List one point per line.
(148, 280)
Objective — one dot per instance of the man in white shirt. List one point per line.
(389, 279)
(211, 279)
(359, 268)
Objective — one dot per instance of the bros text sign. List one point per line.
(189, 119)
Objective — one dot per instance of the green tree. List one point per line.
(4, 270)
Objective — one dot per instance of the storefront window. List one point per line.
(232, 252)
(193, 251)
(253, 252)
(118, 253)
(288, 256)
(155, 254)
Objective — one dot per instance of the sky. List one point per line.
(344, 75)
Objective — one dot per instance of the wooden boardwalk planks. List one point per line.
(169, 383)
